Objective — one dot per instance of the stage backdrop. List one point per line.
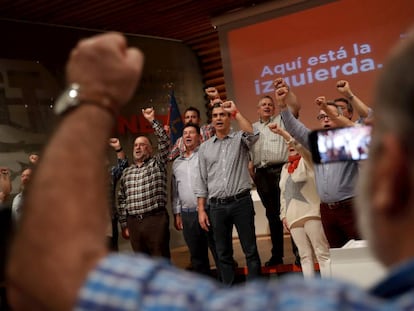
(312, 48)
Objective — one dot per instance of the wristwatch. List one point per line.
(72, 97)
(68, 100)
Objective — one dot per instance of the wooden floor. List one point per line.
(180, 256)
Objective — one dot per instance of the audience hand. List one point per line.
(212, 93)
(149, 114)
(229, 106)
(321, 102)
(343, 87)
(113, 69)
(115, 143)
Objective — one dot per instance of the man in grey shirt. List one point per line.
(335, 181)
(224, 180)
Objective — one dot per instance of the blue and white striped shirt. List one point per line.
(135, 282)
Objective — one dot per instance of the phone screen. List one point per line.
(340, 144)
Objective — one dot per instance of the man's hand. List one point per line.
(115, 143)
(274, 128)
(149, 114)
(343, 87)
(285, 96)
(230, 107)
(212, 93)
(178, 222)
(203, 220)
(33, 158)
(279, 131)
(125, 233)
(4, 171)
(5, 183)
(113, 69)
(321, 102)
(281, 95)
(279, 83)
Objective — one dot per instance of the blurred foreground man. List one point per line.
(67, 267)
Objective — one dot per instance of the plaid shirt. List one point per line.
(206, 132)
(126, 283)
(144, 188)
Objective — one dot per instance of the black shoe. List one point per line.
(297, 261)
(274, 262)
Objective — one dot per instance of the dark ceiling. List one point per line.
(177, 19)
(188, 21)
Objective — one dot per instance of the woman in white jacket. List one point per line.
(299, 207)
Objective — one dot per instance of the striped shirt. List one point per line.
(127, 282)
(223, 165)
(144, 188)
(271, 148)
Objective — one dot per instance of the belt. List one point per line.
(231, 198)
(154, 211)
(334, 205)
(271, 166)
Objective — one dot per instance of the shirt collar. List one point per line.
(266, 122)
(229, 135)
(182, 153)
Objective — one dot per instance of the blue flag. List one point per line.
(174, 119)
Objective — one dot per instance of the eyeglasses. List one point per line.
(323, 117)
(141, 145)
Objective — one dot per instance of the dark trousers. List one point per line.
(339, 224)
(197, 242)
(212, 245)
(241, 214)
(113, 243)
(150, 234)
(267, 184)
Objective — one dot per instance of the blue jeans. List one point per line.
(241, 214)
(197, 242)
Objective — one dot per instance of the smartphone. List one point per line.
(340, 144)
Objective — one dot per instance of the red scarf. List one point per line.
(293, 163)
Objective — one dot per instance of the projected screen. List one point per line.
(312, 49)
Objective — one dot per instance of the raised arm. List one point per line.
(244, 124)
(344, 89)
(333, 114)
(305, 153)
(159, 131)
(212, 94)
(290, 99)
(63, 225)
(5, 184)
(294, 127)
(116, 145)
